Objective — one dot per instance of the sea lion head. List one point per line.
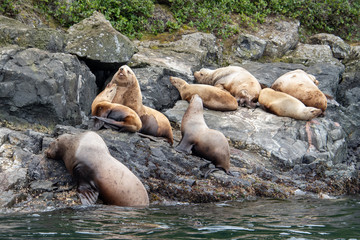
(203, 75)
(313, 78)
(196, 101)
(57, 148)
(124, 76)
(311, 112)
(177, 82)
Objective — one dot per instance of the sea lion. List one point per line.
(302, 86)
(285, 105)
(200, 140)
(128, 93)
(236, 80)
(96, 172)
(213, 97)
(112, 115)
(117, 117)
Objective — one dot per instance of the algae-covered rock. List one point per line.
(15, 32)
(96, 40)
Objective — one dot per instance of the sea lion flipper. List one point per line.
(87, 194)
(184, 146)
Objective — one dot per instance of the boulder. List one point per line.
(249, 47)
(46, 88)
(339, 48)
(183, 56)
(95, 40)
(15, 32)
(281, 36)
(307, 54)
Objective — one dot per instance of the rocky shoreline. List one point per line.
(50, 77)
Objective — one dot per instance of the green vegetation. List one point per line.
(222, 17)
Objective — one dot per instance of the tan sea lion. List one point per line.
(97, 173)
(302, 86)
(236, 80)
(200, 140)
(128, 93)
(213, 97)
(112, 115)
(117, 117)
(284, 105)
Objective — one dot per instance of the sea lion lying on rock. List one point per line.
(213, 97)
(302, 86)
(284, 105)
(113, 115)
(128, 93)
(96, 172)
(236, 80)
(202, 141)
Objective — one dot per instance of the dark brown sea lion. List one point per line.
(284, 105)
(302, 86)
(96, 172)
(236, 80)
(200, 140)
(128, 93)
(213, 97)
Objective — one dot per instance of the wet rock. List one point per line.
(99, 43)
(339, 48)
(14, 32)
(44, 88)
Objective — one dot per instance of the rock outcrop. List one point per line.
(271, 156)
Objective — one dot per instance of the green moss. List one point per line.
(223, 18)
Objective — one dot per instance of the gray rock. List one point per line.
(308, 55)
(285, 140)
(349, 89)
(183, 56)
(340, 49)
(249, 47)
(14, 32)
(43, 87)
(97, 41)
(281, 36)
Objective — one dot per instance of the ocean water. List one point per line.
(261, 219)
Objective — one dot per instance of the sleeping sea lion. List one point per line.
(213, 97)
(302, 86)
(284, 105)
(236, 80)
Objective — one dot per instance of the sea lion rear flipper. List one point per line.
(87, 193)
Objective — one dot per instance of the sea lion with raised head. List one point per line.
(96, 172)
(128, 93)
(285, 105)
(200, 140)
(236, 80)
(302, 86)
(213, 97)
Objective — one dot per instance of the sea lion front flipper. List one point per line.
(185, 145)
(87, 193)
